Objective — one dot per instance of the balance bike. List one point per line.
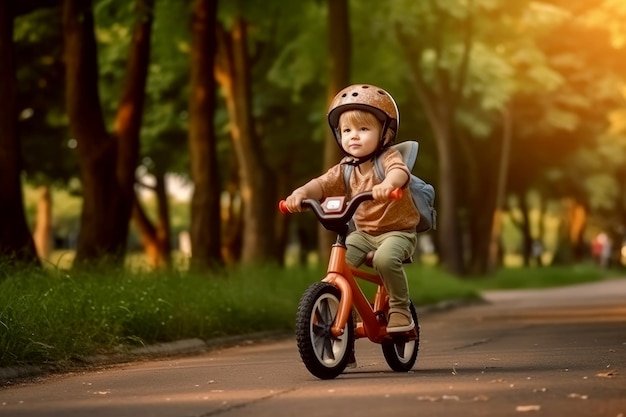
(325, 327)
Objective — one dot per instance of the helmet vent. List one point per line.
(355, 94)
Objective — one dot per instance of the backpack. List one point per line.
(422, 193)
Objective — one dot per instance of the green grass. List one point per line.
(56, 315)
(544, 277)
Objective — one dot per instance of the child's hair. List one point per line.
(364, 118)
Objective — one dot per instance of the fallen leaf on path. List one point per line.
(527, 408)
(493, 381)
(427, 398)
(607, 374)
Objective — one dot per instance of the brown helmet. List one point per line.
(365, 97)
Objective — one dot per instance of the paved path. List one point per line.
(559, 352)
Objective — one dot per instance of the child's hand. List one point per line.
(294, 200)
(381, 191)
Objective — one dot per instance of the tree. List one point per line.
(164, 134)
(340, 57)
(447, 39)
(16, 243)
(205, 203)
(107, 162)
(257, 185)
(561, 126)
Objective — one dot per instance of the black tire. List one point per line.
(401, 354)
(324, 355)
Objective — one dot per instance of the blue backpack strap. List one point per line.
(347, 173)
(407, 149)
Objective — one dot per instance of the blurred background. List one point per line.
(166, 131)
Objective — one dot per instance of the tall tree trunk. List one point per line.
(482, 230)
(205, 204)
(340, 48)
(440, 100)
(257, 186)
(495, 231)
(449, 228)
(16, 243)
(127, 124)
(525, 228)
(107, 163)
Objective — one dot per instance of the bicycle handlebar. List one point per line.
(341, 217)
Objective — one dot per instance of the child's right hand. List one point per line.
(294, 201)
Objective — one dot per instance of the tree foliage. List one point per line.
(528, 94)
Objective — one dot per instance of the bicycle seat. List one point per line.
(369, 259)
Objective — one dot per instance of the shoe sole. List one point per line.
(401, 329)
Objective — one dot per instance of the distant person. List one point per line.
(536, 252)
(364, 120)
(601, 248)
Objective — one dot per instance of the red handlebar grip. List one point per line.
(282, 207)
(396, 194)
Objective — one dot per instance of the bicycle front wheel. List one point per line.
(323, 354)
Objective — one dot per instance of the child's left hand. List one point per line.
(381, 191)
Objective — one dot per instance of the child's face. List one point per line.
(360, 133)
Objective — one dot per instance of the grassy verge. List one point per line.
(57, 315)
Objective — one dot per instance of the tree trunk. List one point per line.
(522, 224)
(232, 222)
(156, 239)
(340, 48)
(205, 203)
(127, 123)
(481, 207)
(440, 100)
(495, 231)
(578, 223)
(570, 232)
(449, 229)
(16, 242)
(258, 193)
(43, 224)
(107, 163)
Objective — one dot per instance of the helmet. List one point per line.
(364, 97)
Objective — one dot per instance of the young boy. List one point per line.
(364, 120)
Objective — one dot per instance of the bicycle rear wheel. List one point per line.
(401, 354)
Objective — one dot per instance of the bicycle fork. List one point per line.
(342, 276)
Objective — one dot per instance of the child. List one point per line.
(364, 120)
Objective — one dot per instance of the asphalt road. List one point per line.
(559, 352)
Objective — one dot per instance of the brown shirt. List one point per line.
(373, 217)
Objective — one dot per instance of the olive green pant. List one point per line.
(392, 249)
